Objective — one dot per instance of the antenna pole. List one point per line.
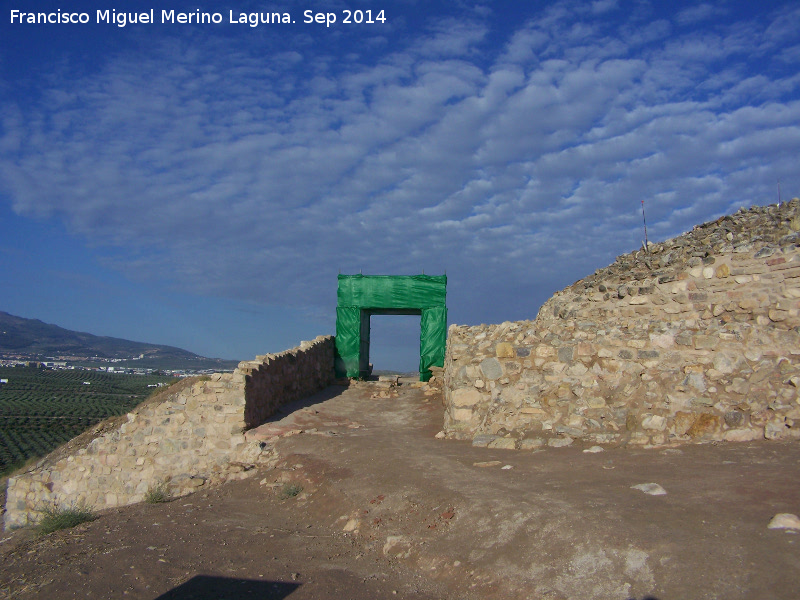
(644, 220)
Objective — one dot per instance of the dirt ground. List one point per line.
(387, 510)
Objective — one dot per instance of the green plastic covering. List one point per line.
(361, 296)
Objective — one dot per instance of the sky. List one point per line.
(203, 184)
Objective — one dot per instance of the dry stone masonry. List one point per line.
(276, 379)
(191, 434)
(691, 340)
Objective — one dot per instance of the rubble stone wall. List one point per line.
(275, 379)
(694, 339)
(186, 436)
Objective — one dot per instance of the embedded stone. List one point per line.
(462, 414)
(503, 443)
(784, 521)
(742, 435)
(778, 316)
(483, 439)
(651, 489)
(491, 369)
(565, 354)
(654, 423)
(775, 430)
(682, 422)
(504, 350)
(705, 424)
(595, 402)
(560, 442)
(630, 422)
(531, 444)
(734, 418)
(465, 397)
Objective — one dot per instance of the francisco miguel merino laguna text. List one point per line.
(121, 19)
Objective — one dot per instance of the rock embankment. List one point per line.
(690, 340)
(190, 434)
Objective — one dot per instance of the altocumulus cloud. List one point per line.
(513, 155)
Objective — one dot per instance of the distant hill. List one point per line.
(37, 340)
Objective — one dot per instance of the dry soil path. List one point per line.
(387, 510)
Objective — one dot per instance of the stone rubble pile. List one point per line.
(694, 339)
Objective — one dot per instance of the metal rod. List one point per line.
(644, 220)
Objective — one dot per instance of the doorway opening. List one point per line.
(360, 297)
(394, 344)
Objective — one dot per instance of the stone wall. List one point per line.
(275, 379)
(186, 436)
(691, 340)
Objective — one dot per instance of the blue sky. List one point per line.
(201, 185)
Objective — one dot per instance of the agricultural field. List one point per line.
(40, 409)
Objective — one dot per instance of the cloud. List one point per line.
(232, 172)
(698, 13)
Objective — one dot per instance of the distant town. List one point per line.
(96, 363)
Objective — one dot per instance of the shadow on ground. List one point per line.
(205, 587)
(328, 393)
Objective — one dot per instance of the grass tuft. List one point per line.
(56, 518)
(157, 494)
(290, 490)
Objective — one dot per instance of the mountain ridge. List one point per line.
(36, 339)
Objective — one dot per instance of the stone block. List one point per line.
(566, 354)
(654, 423)
(560, 442)
(595, 402)
(482, 440)
(462, 414)
(465, 397)
(705, 425)
(775, 430)
(682, 422)
(545, 351)
(531, 444)
(491, 369)
(778, 316)
(503, 443)
(505, 350)
(705, 342)
(742, 435)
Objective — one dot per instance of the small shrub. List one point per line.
(56, 518)
(157, 494)
(290, 490)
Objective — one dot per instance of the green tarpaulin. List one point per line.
(361, 296)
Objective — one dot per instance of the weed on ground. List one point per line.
(56, 518)
(157, 494)
(290, 490)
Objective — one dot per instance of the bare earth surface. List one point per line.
(387, 511)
